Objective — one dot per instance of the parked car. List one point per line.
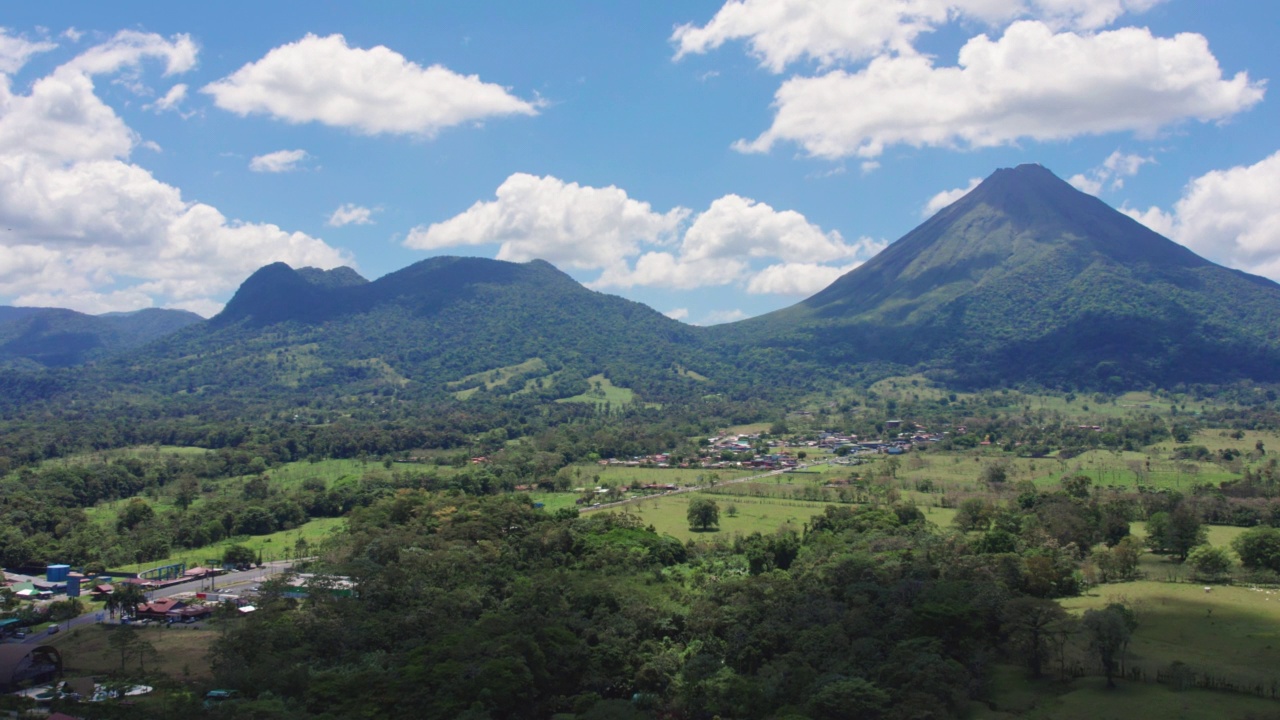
(53, 629)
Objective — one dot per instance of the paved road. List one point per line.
(225, 583)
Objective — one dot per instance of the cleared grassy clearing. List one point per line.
(275, 546)
(1233, 631)
(498, 377)
(621, 475)
(1016, 696)
(669, 515)
(333, 472)
(146, 452)
(602, 392)
(182, 651)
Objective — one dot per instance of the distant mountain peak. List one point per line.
(337, 277)
(1026, 272)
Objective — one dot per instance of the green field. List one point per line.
(603, 392)
(103, 456)
(498, 377)
(621, 475)
(669, 515)
(275, 546)
(1013, 695)
(182, 651)
(1232, 631)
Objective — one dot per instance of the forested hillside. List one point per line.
(1027, 280)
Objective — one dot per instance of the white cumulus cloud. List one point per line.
(946, 197)
(547, 218)
(781, 32)
(1032, 82)
(372, 91)
(14, 51)
(170, 100)
(1228, 216)
(1110, 174)
(717, 317)
(802, 279)
(735, 240)
(677, 313)
(351, 214)
(278, 161)
(89, 229)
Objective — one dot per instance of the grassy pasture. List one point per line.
(334, 472)
(183, 651)
(273, 547)
(669, 514)
(619, 475)
(1013, 695)
(102, 456)
(497, 377)
(602, 392)
(287, 477)
(1233, 631)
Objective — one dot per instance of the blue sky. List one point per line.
(712, 160)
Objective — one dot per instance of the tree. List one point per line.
(852, 697)
(65, 610)
(125, 599)
(703, 513)
(1184, 531)
(1259, 548)
(1176, 532)
(995, 474)
(187, 492)
(134, 514)
(1109, 631)
(124, 640)
(1030, 623)
(1077, 486)
(974, 514)
(238, 555)
(1209, 563)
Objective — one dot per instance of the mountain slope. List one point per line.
(1026, 278)
(53, 337)
(437, 322)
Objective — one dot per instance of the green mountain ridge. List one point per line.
(1023, 280)
(35, 338)
(417, 330)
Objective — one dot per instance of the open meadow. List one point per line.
(275, 546)
(1014, 695)
(181, 651)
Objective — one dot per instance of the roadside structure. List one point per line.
(24, 665)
